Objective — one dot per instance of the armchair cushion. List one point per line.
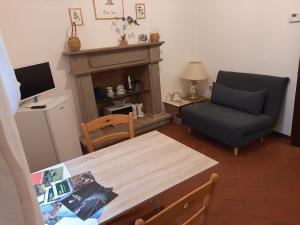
(220, 120)
(247, 101)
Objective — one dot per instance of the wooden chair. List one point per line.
(201, 196)
(105, 121)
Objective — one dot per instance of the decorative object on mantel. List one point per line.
(122, 27)
(123, 40)
(74, 42)
(143, 38)
(76, 16)
(108, 9)
(154, 36)
(140, 11)
(194, 72)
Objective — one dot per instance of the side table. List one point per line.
(174, 107)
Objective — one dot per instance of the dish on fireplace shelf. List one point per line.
(121, 94)
(119, 102)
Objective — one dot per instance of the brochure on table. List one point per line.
(77, 200)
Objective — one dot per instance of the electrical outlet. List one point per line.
(295, 18)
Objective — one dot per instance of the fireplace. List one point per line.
(96, 69)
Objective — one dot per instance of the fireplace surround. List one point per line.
(103, 67)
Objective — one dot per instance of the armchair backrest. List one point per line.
(274, 86)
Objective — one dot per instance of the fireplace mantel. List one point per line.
(116, 48)
(101, 59)
(87, 63)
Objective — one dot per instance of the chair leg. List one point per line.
(262, 140)
(189, 130)
(236, 151)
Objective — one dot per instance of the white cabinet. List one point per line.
(49, 135)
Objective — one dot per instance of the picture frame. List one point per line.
(76, 16)
(140, 11)
(108, 9)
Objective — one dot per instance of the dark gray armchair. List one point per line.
(243, 108)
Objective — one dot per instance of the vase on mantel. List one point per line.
(123, 40)
(73, 41)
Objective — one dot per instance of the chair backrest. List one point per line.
(274, 86)
(103, 122)
(201, 196)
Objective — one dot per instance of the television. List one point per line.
(35, 80)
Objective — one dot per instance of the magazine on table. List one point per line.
(87, 195)
(64, 199)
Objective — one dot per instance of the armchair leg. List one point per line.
(262, 140)
(236, 151)
(189, 130)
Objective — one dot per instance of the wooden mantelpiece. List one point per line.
(85, 64)
(115, 48)
(88, 61)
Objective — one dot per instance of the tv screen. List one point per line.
(34, 79)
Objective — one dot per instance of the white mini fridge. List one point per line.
(50, 135)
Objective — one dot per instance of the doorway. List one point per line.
(295, 137)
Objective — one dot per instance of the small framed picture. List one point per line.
(140, 11)
(108, 9)
(76, 16)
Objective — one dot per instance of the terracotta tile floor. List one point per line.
(260, 187)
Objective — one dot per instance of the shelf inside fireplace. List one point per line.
(118, 97)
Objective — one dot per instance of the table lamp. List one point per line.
(194, 72)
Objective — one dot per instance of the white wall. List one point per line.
(37, 30)
(251, 36)
(240, 35)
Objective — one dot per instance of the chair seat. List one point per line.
(219, 119)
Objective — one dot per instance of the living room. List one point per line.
(254, 37)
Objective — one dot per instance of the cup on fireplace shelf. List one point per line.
(110, 93)
(121, 90)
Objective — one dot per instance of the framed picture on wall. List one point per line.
(108, 9)
(76, 16)
(140, 11)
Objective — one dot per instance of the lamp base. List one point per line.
(193, 90)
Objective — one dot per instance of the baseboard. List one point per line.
(282, 135)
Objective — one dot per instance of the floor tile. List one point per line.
(234, 212)
(215, 219)
(258, 221)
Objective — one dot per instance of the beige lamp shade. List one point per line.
(195, 71)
